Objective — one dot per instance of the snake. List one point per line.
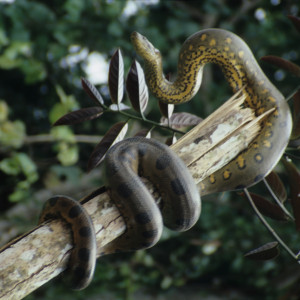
(83, 256)
(127, 161)
(125, 164)
(240, 68)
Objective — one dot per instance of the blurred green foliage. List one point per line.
(42, 57)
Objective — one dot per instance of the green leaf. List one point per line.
(33, 70)
(27, 166)
(63, 133)
(20, 163)
(13, 55)
(166, 282)
(74, 9)
(3, 111)
(68, 100)
(9, 166)
(3, 38)
(57, 111)
(18, 195)
(67, 104)
(68, 154)
(12, 133)
(8, 63)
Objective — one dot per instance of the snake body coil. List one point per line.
(83, 256)
(241, 69)
(180, 205)
(129, 159)
(125, 162)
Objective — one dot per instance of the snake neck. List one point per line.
(212, 46)
(189, 77)
(181, 90)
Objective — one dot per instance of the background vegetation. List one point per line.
(45, 48)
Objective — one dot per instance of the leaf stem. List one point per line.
(146, 121)
(279, 203)
(290, 96)
(269, 228)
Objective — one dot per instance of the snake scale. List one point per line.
(126, 161)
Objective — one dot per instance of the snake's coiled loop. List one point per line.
(83, 256)
(125, 162)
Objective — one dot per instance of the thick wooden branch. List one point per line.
(38, 256)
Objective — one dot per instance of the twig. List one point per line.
(269, 228)
(279, 203)
(48, 138)
(290, 96)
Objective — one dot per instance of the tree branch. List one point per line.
(48, 138)
(41, 254)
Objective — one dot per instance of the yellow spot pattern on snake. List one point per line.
(228, 40)
(258, 158)
(267, 144)
(226, 174)
(241, 162)
(260, 111)
(212, 42)
(241, 54)
(267, 134)
(212, 179)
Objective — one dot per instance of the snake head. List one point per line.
(145, 49)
